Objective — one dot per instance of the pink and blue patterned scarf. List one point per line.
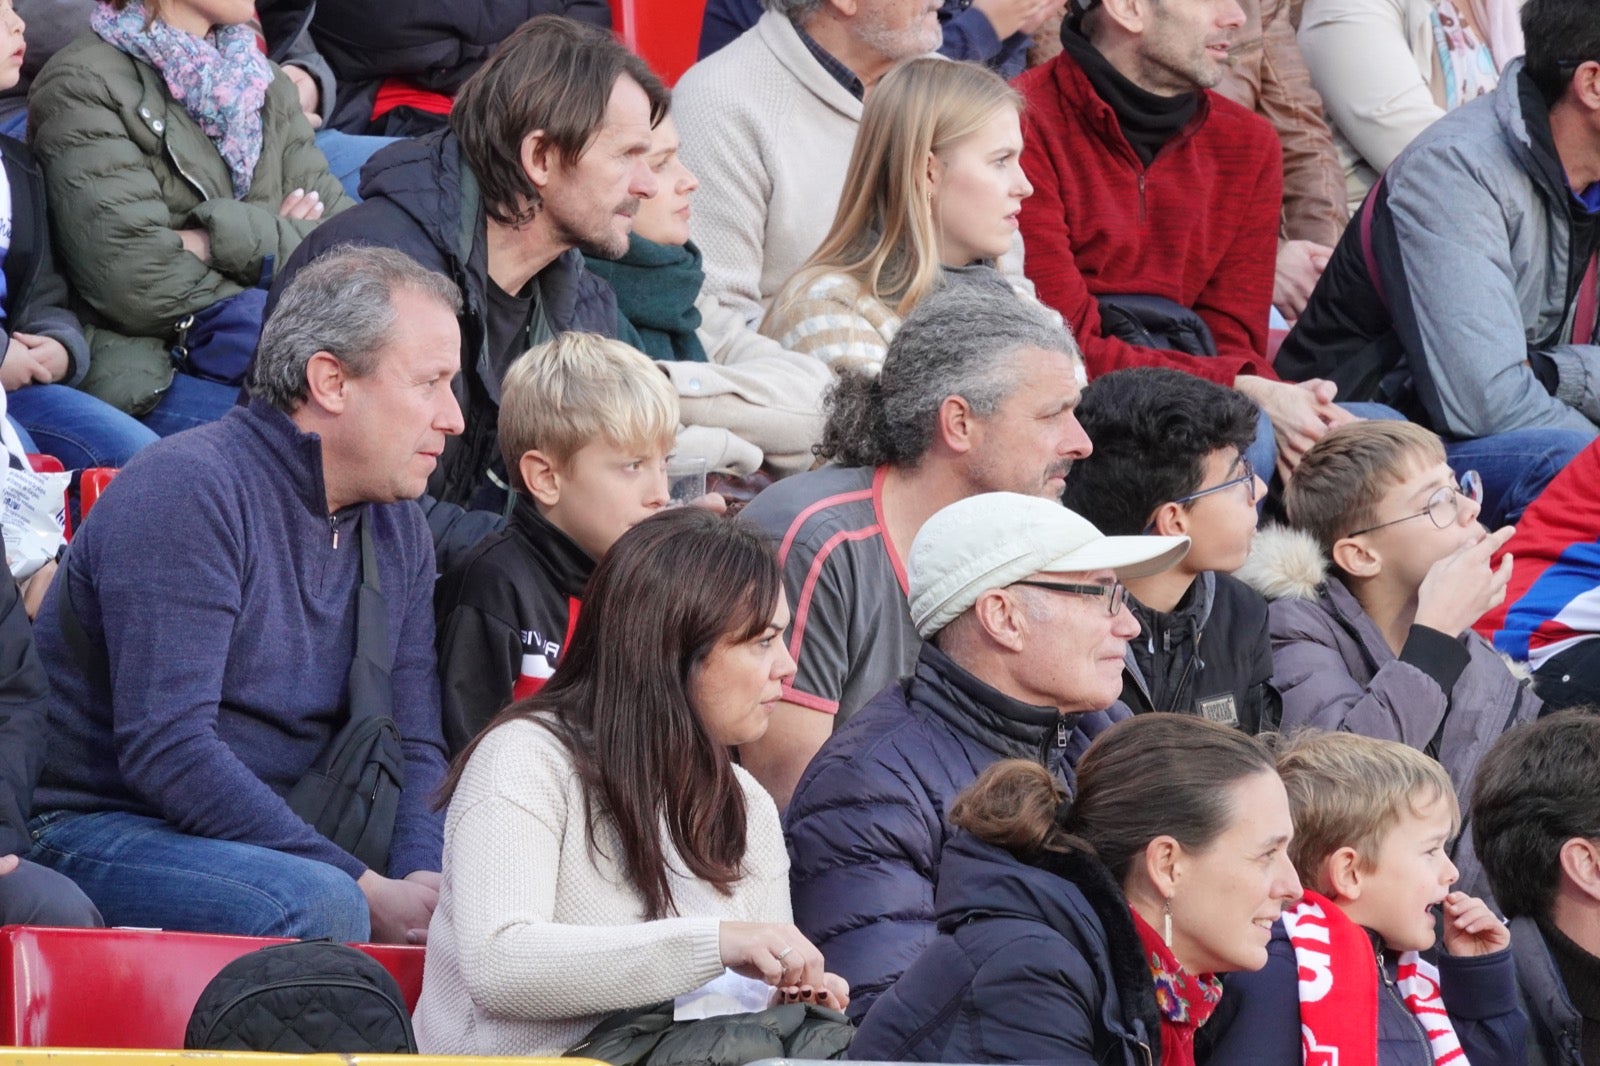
(220, 79)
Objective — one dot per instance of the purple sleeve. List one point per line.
(169, 624)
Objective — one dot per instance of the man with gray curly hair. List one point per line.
(976, 395)
(201, 636)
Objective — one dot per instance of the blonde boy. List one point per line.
(1374, 589)
(1345, 979)
(586, 425)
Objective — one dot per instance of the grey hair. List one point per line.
(959, 341)
(793, 10)
(343, 304)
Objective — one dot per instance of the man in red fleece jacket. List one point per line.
(1145, 183)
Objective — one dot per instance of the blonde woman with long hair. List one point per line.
(931, 197)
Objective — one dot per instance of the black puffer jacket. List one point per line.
(419, 197)
(1211, 656)
(866, 826)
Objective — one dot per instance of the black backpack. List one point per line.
(307, 997)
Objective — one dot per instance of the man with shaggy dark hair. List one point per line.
(1536, 824)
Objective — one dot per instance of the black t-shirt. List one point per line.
(516, 323)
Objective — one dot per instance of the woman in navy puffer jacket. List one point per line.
(1092, 933)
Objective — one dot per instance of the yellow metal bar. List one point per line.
(114, 1057)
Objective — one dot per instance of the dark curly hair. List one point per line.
(1152, 429)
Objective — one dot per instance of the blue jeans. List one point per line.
(1515, 466)
(190, 402)
(76, 428)
(141, 871)
(1263, 453)
(347, 153)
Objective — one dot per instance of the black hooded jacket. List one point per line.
(419, 197)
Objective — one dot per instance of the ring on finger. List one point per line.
(784, 954)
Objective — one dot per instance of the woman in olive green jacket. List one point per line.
(180, 173)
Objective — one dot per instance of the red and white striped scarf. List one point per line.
(1339, 990)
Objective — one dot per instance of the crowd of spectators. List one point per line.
(966, 700)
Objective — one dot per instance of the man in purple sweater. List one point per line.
(218, 576)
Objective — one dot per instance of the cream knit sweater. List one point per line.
(536, 937)
(769, 133)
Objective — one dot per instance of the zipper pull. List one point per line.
(333, 523)
(1061, 733)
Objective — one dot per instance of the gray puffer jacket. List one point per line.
(1449, 697)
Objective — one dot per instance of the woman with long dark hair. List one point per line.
(602, 851)
(1092, 932)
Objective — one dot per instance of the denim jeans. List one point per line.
(1515, 466)
(190, 402)
(1263, 453)
(76, 428)
(347, 153)
(141, 871)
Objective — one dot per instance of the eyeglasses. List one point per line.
(1247, 478)
(1444, 506)
(1114, 594)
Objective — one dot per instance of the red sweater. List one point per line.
(1199, 225)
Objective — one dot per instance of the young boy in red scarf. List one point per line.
(1346, 981)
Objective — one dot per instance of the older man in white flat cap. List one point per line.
(1020, 605)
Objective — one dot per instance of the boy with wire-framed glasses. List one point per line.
(1169, 459)
(1374, 590)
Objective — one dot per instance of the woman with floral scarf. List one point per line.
(180, 172)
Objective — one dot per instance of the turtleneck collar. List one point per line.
(1147, 120)
(568, 564)
(1580, 972)
(1008, 726)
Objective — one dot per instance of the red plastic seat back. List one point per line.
(665, 33)
(128, 988)
(91, 483)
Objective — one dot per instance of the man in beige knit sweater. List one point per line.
(768, 123)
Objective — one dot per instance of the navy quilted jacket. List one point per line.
(866, 826)
(1031, 964)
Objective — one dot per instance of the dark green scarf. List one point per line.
(656, 286)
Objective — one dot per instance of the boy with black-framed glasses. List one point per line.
(1169, 459)
(1375, 588)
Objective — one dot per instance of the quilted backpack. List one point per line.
(306, 997)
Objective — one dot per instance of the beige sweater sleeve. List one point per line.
(834, 322)
(1365, 64)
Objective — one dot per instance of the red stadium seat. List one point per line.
(128, 988)
(666, 33)
(90, 485)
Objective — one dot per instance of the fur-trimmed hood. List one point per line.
(1284, 563)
